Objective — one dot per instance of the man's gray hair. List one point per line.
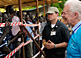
(75, 6)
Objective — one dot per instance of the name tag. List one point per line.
(53, 33)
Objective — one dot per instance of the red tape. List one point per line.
(18, 23)
(16, 49)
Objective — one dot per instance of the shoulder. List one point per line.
(48, 25)
(78, 31)
(61, 25)
(77, 35)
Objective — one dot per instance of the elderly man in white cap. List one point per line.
(55, 35)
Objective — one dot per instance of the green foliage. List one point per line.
(60, 6)
(28, 7)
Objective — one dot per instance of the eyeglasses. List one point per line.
(50, 13)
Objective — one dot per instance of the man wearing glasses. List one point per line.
(55, 35)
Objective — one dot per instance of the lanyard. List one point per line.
(75, 30)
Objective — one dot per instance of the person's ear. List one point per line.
(76, 15)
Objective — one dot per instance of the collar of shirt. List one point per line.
(56, 25)
(52, 25)
(76, 26)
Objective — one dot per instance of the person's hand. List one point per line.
(46, 45)
(50, 44)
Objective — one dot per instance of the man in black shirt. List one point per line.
(55, 36)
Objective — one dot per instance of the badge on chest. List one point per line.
(53, 33)
(53, 30)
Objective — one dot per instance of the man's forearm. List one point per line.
(61, 45)
(2, 37)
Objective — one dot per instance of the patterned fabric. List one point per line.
(3, 43)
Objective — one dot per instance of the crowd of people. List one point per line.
(54, 33)
(11, 35)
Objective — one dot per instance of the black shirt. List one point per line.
(62, 35)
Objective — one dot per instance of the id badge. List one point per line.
(53, 33)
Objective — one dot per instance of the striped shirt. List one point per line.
(3, 43)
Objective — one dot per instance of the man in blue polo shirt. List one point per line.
(73, 17)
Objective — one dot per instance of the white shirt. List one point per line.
(43, 24)
(15, 29)
(52, 25)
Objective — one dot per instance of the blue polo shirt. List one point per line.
(30, 30)
(74, 45)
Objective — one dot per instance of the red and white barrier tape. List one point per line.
(18, 23)
(31, 24)
(2, 24)
(14, 51)
(38, 52)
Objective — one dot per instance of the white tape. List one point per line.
(14, 51)
(38, 52)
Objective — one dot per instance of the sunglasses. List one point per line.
(50, 13)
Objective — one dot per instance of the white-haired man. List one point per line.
(72, 14)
